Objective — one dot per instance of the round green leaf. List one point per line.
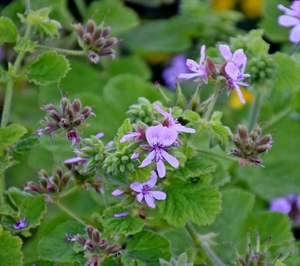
(126, 225)
(48, 68)
(55, 246)
(190, 200)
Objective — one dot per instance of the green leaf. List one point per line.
(287, 70)
(25, 45)
(162, 38)
(296, 101)
(189, 200)
(48, 68)
(10, 249)
(279, 263)
(113, 13)
(7, 210)
(130, 64)
(237, 206)
(9, 32)
(10, 134)
(140, 174)
(108, 261)
(269, 23)
(4, 76)
(194, 167)
(146, 248)
(29, 206)
(6, 162)
(55, 246)
(191, 116)
(219, 135)
(123, 130)
(25, 144)
(126, 225)
(39, 263)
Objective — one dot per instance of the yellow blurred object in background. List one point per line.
(234, 100)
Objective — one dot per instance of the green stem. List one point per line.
(294, 48)
(255, 110)
(62, 51)
(221, 156)
(70, 191)
(7, 102)
(276, 119)
(205, 247)
(81, 7)
(212, 103)
(104, 188)
(64, 209)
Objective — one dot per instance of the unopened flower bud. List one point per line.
(89, 230)
(97, 33)
(31, 186)
(110, 42)
(99, 43)
(55, 115)
(267, 139)
(87, 39)
(106, 52)
(80, 239)
(243, 132)
(86, 112)
(106, 32)
(64, 104)
(89, 245)
(103, 243)
(79, 29)
(49, 107)
(210, 68)
(255, 133)
(113, 249)
(96, 236)
(76, 106)
(64, 123)
(90, 27)
(64, 181)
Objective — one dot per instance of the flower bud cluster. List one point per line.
(95, 40)
(51, 185)
(69, 117)
(258, 256)
(120, 162)
(249, 146)
(96, 248)
(261, 68)
(141, 112)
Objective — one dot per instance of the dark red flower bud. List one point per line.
(90, 27)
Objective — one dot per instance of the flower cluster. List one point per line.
(158, 140)
(143, 191)
(96, 248)
(291, 18)
(50, 185)
(232, 71)
(95, 40)
(249, 146)
(69, 117)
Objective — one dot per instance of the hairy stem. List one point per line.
(277, 118)
(104, 188)
(212, 103)
(255, 110)
(221, 156)
(62, 51)
(205, 247)
(81, 7)
(65, 210)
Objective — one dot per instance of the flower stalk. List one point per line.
(65, 210)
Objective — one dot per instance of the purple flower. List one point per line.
(20, 224)
(160, 139)
(117, 192)
(170, 74)
(238, 58)
(199, 69)
(170, 122)
(281, 204)
(122, 214)
(144, 191)
(234, 79)
(291, 18)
